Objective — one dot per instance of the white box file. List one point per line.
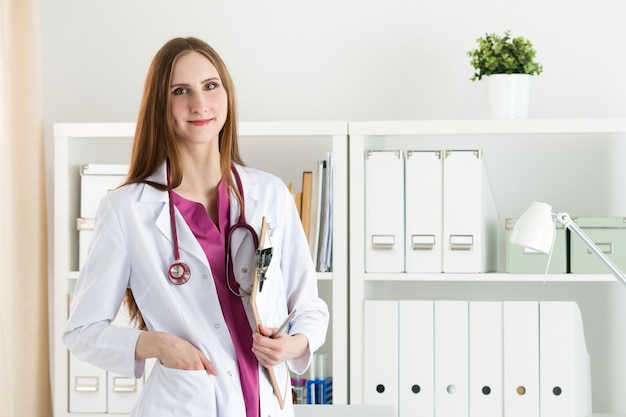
(470, 217)
(439, 204)
(424, 211)
(485, 359)
(384, 211)
(564, 363)
(417, 368)
(451, 358)
(520, 323)
(380, 337)
(530, 355)
(96, 180)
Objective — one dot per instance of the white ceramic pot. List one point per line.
(507, 95)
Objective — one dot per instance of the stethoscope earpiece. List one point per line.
(179, 273)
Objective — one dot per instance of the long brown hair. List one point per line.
(155, 141)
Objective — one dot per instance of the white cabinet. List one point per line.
(575, 165)
(283, 148)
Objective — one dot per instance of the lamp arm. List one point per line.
(566, 221)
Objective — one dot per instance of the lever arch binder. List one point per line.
(451, 358)
(485, 359)
(520, 321)
(476, 358)
(417, 373)
(380, 354)
(564, 363)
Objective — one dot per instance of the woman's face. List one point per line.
(199, 103)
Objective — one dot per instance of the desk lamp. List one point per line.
(535, 230)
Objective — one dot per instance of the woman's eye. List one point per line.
(211, 86)
(180, 91)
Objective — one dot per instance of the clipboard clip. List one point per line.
(263, 259)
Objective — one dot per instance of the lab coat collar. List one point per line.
(187, 242)
(253, 191)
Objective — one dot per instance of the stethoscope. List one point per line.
(179, 272)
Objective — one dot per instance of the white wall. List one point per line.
(334, 59)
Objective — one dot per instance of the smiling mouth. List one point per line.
(202, 122)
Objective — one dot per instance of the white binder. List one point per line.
(380, 352)
(565, 376)
(521, 358)
(485, 359)
(384, 211)
(424, 211)
(451, 359)
(470, 218)
(416, 388)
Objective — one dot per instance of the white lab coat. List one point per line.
(132, 248)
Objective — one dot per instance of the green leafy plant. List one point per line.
(503, 55)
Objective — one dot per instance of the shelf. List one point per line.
(489, 277)
(475, 127)
(282, 148)
(526, 160)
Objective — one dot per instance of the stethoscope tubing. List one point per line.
(179, 272)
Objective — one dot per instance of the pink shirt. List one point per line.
(213, 242)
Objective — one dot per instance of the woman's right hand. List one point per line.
(172, 351)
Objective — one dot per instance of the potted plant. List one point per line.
(506, 63)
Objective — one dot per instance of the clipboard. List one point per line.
(281, 388)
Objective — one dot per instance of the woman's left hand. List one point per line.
(270, 352)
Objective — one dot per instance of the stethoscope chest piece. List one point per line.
(179, 273)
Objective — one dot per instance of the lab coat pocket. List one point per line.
(177, 393)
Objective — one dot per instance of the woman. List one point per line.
(169, 241)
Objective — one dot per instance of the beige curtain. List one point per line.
(24, 357)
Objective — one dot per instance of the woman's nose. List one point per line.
(198, 103)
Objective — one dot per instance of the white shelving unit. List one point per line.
(283, 148)
(575, 165)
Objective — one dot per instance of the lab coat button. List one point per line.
(244, 270)
(217, 325)
(230, 373)
(205, 276)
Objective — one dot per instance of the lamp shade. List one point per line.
(535, 228)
